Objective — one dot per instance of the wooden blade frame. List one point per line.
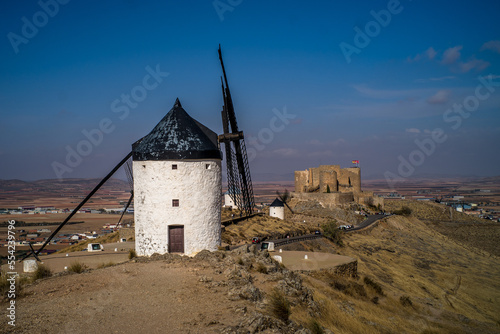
(238, 171)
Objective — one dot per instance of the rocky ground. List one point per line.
(411, 279)
(221, 292)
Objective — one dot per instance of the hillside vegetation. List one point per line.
(428, 283)
(469, 231)
(410, 279)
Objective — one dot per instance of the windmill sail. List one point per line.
(238, 171)
(75, 210)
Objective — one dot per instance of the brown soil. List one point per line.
(152, 297)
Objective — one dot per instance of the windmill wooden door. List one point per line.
(176, 239)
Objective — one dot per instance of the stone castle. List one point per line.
(332, 185)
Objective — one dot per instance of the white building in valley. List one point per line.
(277, 209)
(228, 200)
(177, 187)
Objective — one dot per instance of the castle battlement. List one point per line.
(332, 185)
(328, 178)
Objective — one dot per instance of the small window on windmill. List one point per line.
(208, 166)
(143, 166)
(175, 202)
(174, 166)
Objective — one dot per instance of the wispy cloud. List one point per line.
(477, 64)
(491, 45)
(412, 104)
(441, 97)
(430, 54)
(412, 130)
(384, 93)
(286, 152)
(451, 55)
(320, 154)
(448, 77)
(314, 142)
(338, 142)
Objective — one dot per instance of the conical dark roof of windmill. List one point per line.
(178, 136)
(277, 202)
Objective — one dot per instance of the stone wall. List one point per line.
(327, 181)
(321, 178)
(197, 185)
(326, 199)
(277, 211)
(350, 180)
(344, 185)
(301, 180)
(347, 270)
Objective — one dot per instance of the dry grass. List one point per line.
(105, 265)
(315, 327)
(41, 272)
(279, 306)
(444, 286)
(262, 226)
(131, 253)
(429, 211)
(77, 267)
(261, 268)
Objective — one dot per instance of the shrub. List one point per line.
(354, 289)
(331, 231)
(261, 268)
(405, 301)
(5, 285)
(279, 306)
(349, 288)
(338, 286)
(404, 211)
(104, 265)
(315, 327)
(131, 253)
(374, 285)
(42, 272)
(77, 267)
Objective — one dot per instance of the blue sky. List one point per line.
(356, 80)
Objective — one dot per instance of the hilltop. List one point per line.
(411, 279)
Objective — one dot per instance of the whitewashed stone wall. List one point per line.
(198, 190)
(228, 202)
(277, 211)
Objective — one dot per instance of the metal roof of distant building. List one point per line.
(177, 136)
(277, 202)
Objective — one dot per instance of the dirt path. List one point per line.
(153, 297)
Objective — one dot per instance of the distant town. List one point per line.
(26, 233)
(479, 198)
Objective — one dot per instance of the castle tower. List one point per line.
(177, 187)
(277, 209)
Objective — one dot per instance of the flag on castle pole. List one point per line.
(356, 162)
